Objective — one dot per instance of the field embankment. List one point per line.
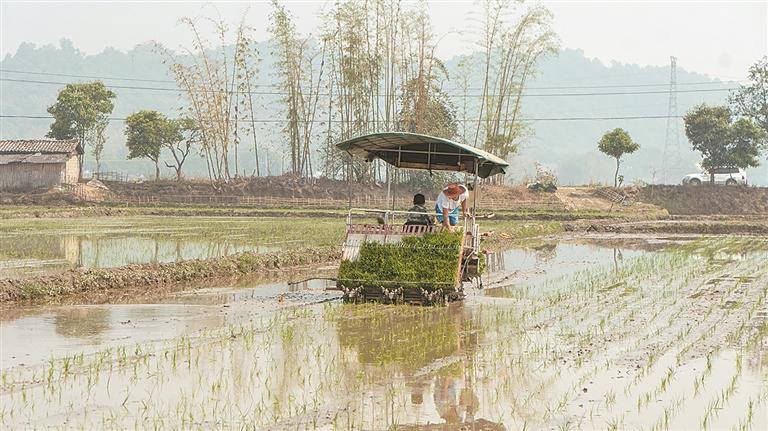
(151, 275)
(707, 200)
(283, 192)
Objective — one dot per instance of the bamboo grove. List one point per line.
(370, 67)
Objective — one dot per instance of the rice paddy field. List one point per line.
(39, 246)
(569, 332)
(34, 246)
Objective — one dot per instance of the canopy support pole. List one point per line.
(477, 192)
(389, 184)
(349, 182)
(429, 158)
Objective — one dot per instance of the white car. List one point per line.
(726, 176)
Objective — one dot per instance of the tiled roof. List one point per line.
(45, 146)
(33, 158)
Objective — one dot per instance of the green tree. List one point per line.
(751, 100)
(147, 132)
(616, 143)
(439, 113)
(182, 135)
(721, 141)
(80, 111)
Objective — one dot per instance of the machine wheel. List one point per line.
(695, 182)
(730, 182)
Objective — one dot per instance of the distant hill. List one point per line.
(568, 146)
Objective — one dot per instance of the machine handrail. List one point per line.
(387, 212)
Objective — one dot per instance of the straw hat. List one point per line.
(453, 189)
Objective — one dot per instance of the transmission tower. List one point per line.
(671, 156)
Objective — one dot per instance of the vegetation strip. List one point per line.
(82, 280)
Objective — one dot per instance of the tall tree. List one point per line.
(80, 110)
(721, 141)
(617, 143)
(147, 132)
(751, 100)
(514, 39)
(217, 80)
(354, 76)
(439, 114)
(300, 79)
(439, 119)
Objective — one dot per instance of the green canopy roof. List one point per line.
(414, 151)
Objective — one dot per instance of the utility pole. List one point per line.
(671, 156)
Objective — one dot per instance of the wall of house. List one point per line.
(28, 176)
(70, 174)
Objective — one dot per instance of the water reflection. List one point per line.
(432, 350)
(82, 322)
(545, 251)
(455, 402)
(384, 336)
(618, 256)
(41, 254)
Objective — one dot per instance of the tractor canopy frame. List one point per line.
(414, 151)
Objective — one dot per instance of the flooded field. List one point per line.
(576, 334)
(29, 247)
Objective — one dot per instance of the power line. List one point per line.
(115, 78)
(274, 93)
(277, 120)
(166, 81)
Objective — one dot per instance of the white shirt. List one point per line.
(445, 202)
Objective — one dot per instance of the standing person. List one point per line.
(448, 202)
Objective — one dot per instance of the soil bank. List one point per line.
(707, 199)
(155, 275)
(700, 226)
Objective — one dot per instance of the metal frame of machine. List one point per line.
(422, 152)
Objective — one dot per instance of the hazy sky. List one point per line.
(718, 38)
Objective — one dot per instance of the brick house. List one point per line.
(38, 163)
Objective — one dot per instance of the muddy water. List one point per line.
(576, 338)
